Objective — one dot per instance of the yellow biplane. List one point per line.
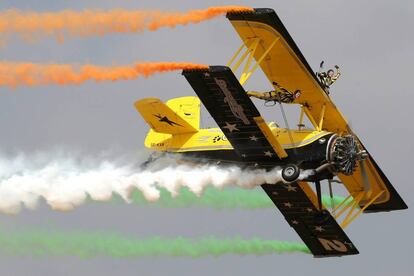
(330, 149)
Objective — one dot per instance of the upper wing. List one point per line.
(227, 102)
(285, 64)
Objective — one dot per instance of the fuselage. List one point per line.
(306, 148)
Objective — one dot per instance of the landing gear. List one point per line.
(290, 173)
(323, 215)
(319, 194)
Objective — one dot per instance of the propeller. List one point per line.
(347, 154)
(363, 158)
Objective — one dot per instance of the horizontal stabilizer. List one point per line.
(162, 118)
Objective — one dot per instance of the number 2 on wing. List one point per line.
(330, 245)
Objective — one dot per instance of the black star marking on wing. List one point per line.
(164, 119)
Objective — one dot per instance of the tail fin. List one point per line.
(179, 115)
(188, 108)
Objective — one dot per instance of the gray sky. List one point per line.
(371, 41)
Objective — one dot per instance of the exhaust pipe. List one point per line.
(323, 167)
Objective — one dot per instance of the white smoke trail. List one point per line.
(65, 182)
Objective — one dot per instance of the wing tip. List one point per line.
(256, 11)
(211, 68)
(320, 256)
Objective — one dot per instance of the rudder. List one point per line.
(188, 108)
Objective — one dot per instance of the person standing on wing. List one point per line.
(327, 78)
(280, 94)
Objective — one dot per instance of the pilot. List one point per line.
(280, 94)
(329, 77)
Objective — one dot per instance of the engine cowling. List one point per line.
(343, 153)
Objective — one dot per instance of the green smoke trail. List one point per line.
(89, 245)
(228, 198)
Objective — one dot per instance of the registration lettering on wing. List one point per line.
(235, 108)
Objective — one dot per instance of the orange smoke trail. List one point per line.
(30, 74)
(96, 22)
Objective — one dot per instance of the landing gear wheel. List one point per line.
(290, 173)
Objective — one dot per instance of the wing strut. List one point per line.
(353, 206)
(249, 53)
